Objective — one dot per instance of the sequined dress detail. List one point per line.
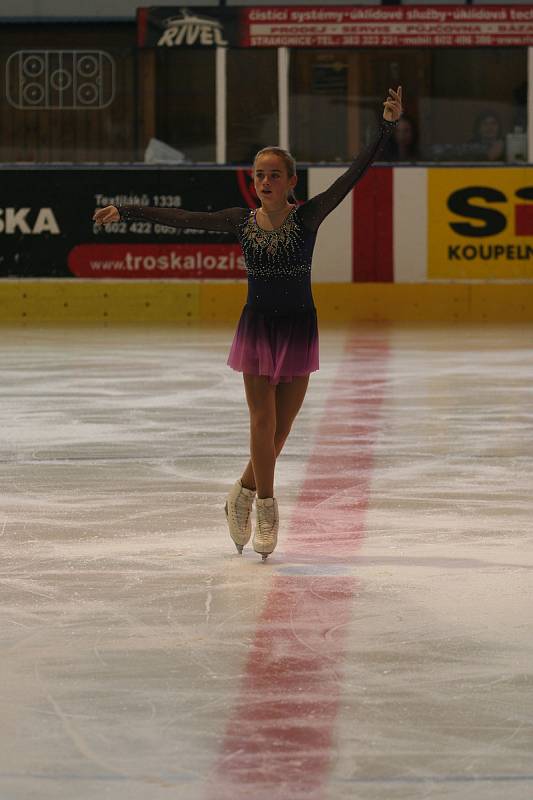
(277, 333)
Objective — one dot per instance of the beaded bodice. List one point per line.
(278, 263)
(271, 252)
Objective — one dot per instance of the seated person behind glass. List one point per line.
(402, 145)
(486, 144)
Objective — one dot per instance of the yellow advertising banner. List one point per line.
(480, 223)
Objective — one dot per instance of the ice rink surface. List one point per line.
(384, 651)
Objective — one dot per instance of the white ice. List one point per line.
(128, 619)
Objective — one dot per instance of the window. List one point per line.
(477, 98)
(252, 102)
(67, 99)
(459, 104)
(185, 114)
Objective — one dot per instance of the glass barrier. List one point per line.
(68, 105)
(459, 105)
(476, 109)
(252, 102)
(102, 101)
(185, 101)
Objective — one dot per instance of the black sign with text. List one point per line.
(47, 231)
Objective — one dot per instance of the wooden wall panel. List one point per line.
(60, 135)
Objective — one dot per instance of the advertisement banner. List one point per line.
(480, 224)
(336, 26)
(47, 231)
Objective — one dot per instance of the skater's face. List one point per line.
(271, 180)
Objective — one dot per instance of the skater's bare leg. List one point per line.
(261, 398)
(288, 400)
(248, 477)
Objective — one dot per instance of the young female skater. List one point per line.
(276, 342)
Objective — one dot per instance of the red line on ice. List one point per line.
(279, 739)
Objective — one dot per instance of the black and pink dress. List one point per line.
(277, 334)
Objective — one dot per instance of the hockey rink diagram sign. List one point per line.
(336, 26)
(480, 224)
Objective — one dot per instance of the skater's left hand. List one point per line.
(393, 105)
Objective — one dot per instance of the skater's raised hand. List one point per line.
(393, 105)
(104, 215)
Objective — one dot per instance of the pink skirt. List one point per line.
(280, 347)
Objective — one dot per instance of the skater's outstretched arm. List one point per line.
(225, 221)
(314, 211)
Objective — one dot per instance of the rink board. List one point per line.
(183, 302)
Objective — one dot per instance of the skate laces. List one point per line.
(266, 521)
(243, 508)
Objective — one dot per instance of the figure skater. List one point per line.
(276, 342)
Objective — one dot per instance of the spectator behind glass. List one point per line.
(488, 137)
(403, 144)
(486, 144)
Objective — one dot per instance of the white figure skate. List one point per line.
(266, 531)
(238, 510)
